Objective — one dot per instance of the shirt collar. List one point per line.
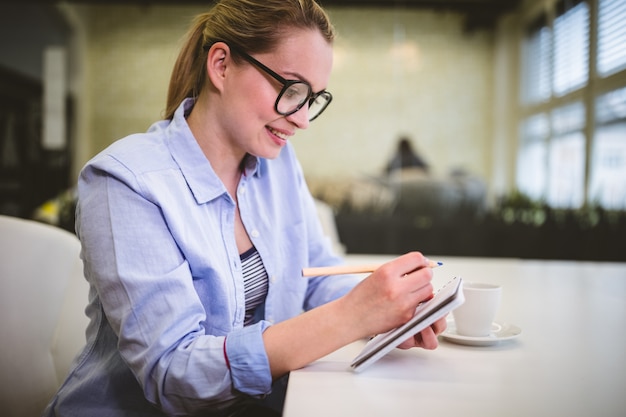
(195, 167)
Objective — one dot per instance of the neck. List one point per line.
(227, 161)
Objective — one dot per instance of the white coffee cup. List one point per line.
(475, 316)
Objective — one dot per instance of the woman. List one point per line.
(194, 233)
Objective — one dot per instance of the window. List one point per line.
(532, 163)
(566, 175)
(608, 167)
(559, 92)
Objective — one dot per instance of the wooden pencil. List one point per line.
(348, 269)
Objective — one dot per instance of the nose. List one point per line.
(301, 117)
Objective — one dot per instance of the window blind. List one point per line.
(536, 60)
(571, 47)
(611, 36)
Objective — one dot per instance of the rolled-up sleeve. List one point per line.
(248, 360)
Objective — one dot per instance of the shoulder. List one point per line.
(138, 153)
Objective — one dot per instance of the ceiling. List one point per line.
(479, 13)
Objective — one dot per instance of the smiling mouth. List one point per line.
(281, 135)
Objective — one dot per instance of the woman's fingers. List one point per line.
(427, 338)
(414, 269)
(440, 325)
(408, 263)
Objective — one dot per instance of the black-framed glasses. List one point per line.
(294, 94)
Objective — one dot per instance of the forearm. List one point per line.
(307, 337)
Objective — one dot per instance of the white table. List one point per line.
(570, 359)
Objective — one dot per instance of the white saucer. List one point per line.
(499, 332)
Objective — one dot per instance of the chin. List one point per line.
(272, 155)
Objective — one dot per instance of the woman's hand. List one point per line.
(388, 298)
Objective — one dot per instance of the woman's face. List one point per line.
(251, 121)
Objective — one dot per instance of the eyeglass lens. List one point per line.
(317, 105)
(294, 96)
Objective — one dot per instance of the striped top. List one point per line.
(255, 282)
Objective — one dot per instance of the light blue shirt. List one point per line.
(157, 229)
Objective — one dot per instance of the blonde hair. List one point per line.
(249, 25)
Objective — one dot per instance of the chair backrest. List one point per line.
(42, 322)
(329, 226)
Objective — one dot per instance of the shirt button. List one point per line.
(242, 190)
(273, 279)
(255, 233)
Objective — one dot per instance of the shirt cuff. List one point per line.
(249, 365)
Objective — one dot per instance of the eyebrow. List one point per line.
(300, 77)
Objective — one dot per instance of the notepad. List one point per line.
(447, 298)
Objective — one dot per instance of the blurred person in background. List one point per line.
(406, 157)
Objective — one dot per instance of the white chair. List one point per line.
(42, 322)
(329, 226)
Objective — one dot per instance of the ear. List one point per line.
(218, 58)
